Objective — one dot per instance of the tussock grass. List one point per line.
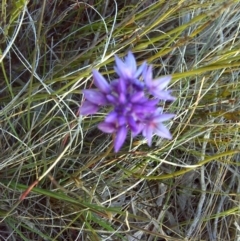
(59, 177)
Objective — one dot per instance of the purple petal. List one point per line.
(132, 124)
(88, 108)
(148, 106)
(95, 97)
(122, 121)
(130, 62)
(163, 131)
(120, 66)
(147, 76)
(122, 70)
(136, 97)
(163, 117)
(151, 103)
(142, 109)
(139, 129)
(140, 70)
(111, 117)
(112, 99)
(122, 86)
(122, 98)
(148, 133)
(101, 82)
(162, 82)
(163, 95)
(107, 127)
(114, 84)
(120, 138)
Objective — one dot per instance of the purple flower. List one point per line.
(156, 86)
(153, 124)
(129, 97)
(128, 69)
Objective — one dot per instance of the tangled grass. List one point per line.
(59, 177)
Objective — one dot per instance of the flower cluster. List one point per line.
(134, 96)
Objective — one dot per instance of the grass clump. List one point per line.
(59, 177)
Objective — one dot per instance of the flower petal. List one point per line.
(132, 124)
(130, 62)
(95, 97)
(148, 133)
(111, 117)
(122, 69)
(139, 129)
(163, 95)
(162, 82)
(101, 82)
(163, 131)
(88, 108)
(122, 120)
(146, 107)
(136, 97)
(120, 138)
(122, 98)
(143, 109)
(163, 117)
(107, 127)
(147, 76)
(141, 69)
(122, 86)
(112, 99)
